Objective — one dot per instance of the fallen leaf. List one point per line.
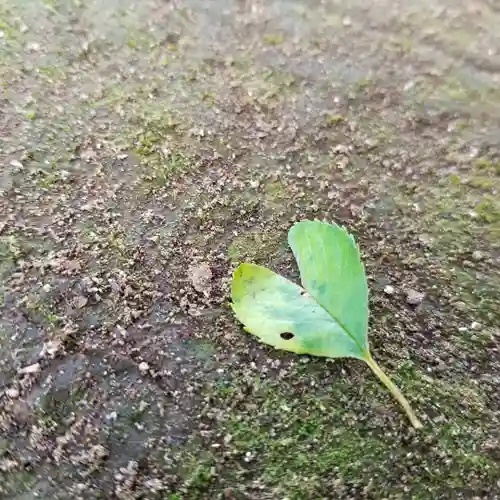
(328, 316)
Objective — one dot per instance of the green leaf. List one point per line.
(329, 316)
(282, 315)
(333, 274)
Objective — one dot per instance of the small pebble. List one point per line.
(143, 367)
(112, 416)
(30, 369)
(12, 393)
(475, 325)
(414, 298)
(477, 255)
(389, 290)
(16, 164)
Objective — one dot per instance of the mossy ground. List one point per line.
(141, 139)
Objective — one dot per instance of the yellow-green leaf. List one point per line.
(329, 316)
(282, 315)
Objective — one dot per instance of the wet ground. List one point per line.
(148, 147)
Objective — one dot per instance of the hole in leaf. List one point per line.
(287, 335)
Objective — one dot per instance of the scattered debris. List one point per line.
(131, 156)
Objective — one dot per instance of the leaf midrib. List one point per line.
(337, 320)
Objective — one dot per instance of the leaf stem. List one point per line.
(393, 389)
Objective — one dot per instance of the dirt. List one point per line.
(147, 148)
